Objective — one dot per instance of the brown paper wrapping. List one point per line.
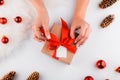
(56, 29)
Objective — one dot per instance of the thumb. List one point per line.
(47, 33)
(72, 31)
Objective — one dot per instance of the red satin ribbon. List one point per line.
(66, 41)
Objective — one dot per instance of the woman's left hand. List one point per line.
(85, 31)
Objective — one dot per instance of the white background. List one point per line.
(102, 44)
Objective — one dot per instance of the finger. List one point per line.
(38, 39)
(47, 33)
(41, 37)
(82, 33)
(38, 34)
(83, 40)
(35, 28)
(72, 31)
(88, 31)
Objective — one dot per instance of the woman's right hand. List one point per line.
(41, 21)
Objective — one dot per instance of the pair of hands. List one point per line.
(78, 23)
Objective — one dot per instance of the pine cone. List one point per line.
(107, 21)
(34, 76)
(9, 76)
(107, 3)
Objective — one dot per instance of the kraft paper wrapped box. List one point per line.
(60, 46)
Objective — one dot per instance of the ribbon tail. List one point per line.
(65, 30)
(54, 55)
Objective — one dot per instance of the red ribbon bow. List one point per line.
(66, 40)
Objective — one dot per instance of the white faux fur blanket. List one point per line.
(17, 33)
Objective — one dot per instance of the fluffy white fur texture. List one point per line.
(17, 33)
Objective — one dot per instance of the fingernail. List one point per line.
(77, 46)
(49, 37)
(75, 42)
(72, 37)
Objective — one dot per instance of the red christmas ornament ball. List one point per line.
(4, 40)
(3, 20)
(89, 78)
(118, 70)
(18, 19)
(1, 2)
(101, 64)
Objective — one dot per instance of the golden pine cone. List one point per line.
(107, 21)
(107, 3)
(9, 76)
(34, 76)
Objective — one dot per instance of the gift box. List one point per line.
(61, 46)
